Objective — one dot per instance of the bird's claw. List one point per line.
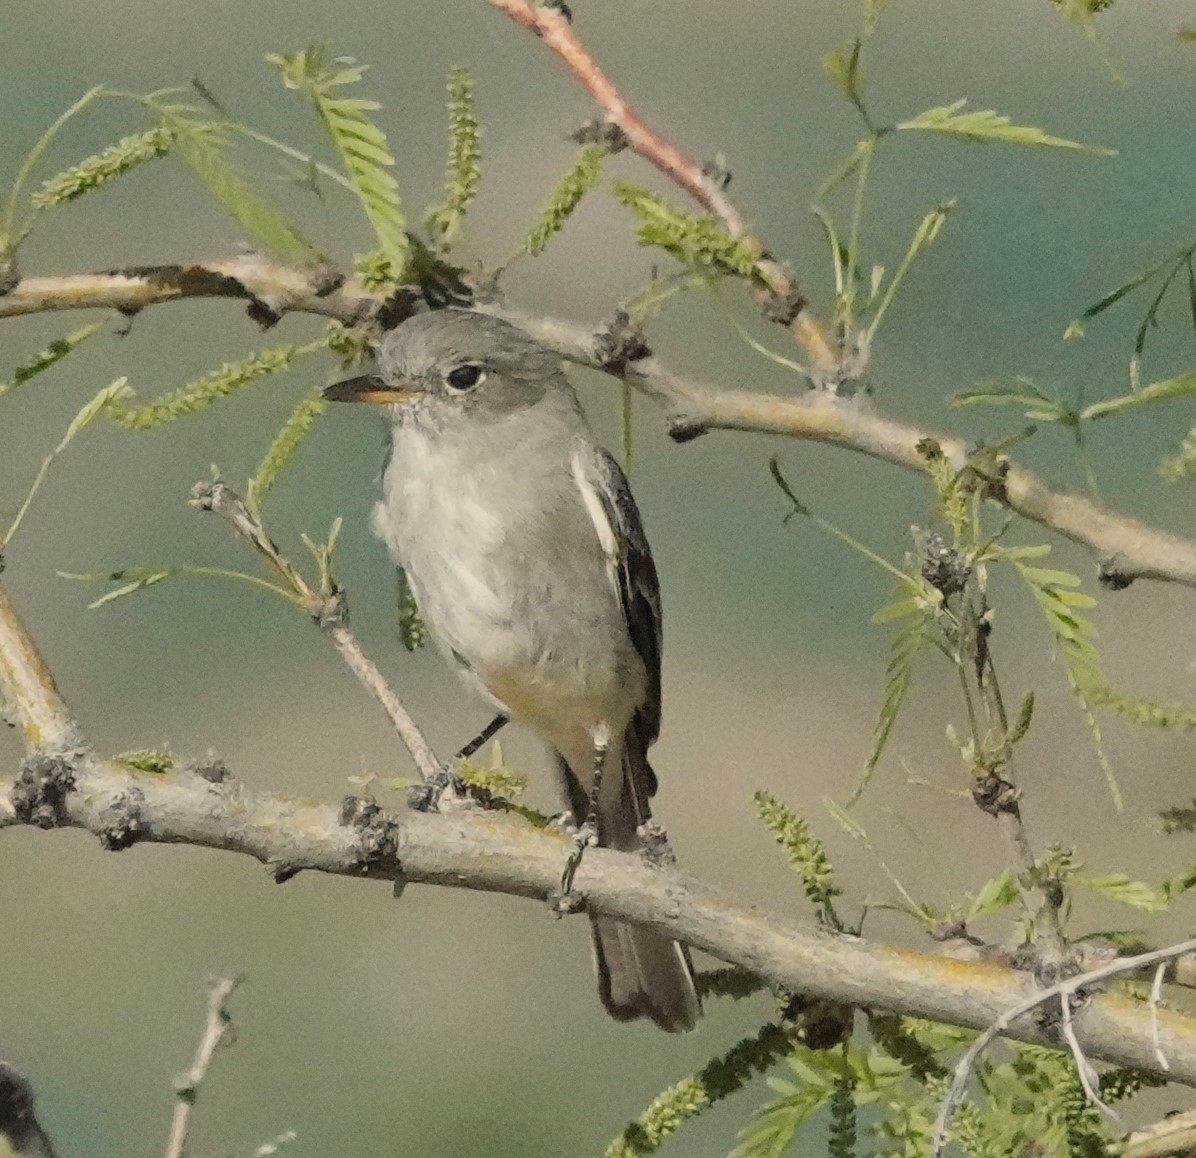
(583, 838)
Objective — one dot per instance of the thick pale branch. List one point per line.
(1125, 549)
(27, 688)
(499, 853)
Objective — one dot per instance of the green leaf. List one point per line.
(988, 125)
(565, 197)
(997, 893)
(202, 392)
(203, 146)
(1036, 403)
(48, 357)
(775, 1126)
(1177, 387)
(927, 231)
(103, 167)
(362, 146)
(907, 645)
(1075, 638)
(1142, 710)
(283, 447)
(1025, 715)
(10, 237)
(842, 67)
(698, 240)
(462, 170)
(134, 579)
(1119, 887)
(107, 396)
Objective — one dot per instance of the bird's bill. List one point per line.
(369, 388)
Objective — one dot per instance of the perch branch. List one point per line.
(483, 851)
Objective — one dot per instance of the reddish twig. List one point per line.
(552, 25)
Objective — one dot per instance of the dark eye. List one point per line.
(464, 377)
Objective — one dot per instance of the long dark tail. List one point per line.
(641, 973)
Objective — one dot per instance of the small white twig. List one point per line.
(1063, 990)
(1089, 1078)
(186, 1086)
(266, 1149)
(1156, 993)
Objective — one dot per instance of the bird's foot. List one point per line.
(585, 836)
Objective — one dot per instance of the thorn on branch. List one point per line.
(283, 869)
(995, 795)
(1111, 576)
(214, 770)
(377, 830)
(620, 343)
(263, 314)
(40, 792)
(942, 565)
(604, 132)
(119, 824)
(557, 6)
(716, 172)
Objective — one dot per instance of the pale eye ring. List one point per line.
(465, 377)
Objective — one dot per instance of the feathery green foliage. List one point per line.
(697, 240)
(462, 170)
(413, 632)
(202, 145)
(283, 447)
(1181, 465)
(988, 125)
(804, 851)
(500, 780)
(204, 391)
(692, 1095)
(10, 235)
(134, 579)
(50, 356)
(157, 761)
(362, 145)
(565, 197)
(104, 166)
(1149, 713)
(1177, 387)
(730, 981)
(924, 236)
(108, 396)
(1062, 605)
(841, 1138)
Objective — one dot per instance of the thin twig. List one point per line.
(1087, 1075)
(554, 27)
(186, 1086)
(1063, 990)
(1156, 994)
(326, 606)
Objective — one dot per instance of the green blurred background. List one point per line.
(457, 1023)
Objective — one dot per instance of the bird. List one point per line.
(525, 552)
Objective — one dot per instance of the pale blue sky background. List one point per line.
(453, 1023)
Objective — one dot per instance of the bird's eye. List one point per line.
(464, 377)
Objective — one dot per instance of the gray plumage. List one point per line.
(524, 549)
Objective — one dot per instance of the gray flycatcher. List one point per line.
(524, 550)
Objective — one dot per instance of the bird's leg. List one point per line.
(426, 796)
(587, 831)
(487, 733)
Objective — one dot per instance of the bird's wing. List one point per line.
(634, 574)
